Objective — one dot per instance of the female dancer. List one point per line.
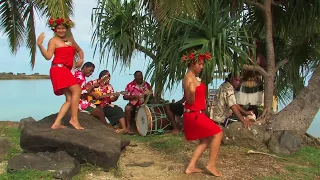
(63, 48)
(196, 124)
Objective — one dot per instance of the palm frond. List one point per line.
(164, 10)
(11, 23)
(56, 8)
(118, 30)
(30, 30)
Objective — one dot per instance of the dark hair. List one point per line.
(135, 73)
(102, 73)
(88, 64)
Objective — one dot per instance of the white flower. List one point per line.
(68, 43)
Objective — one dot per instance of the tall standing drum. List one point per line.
(151, 119)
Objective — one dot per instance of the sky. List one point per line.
(82, 33)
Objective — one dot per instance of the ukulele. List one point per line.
(146, 92)
(95, 101)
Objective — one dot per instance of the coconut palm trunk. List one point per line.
(299, 114)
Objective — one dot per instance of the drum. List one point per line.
(152, 119)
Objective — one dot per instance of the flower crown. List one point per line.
(52, 22)
(195, 57)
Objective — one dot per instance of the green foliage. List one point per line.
(27, 175)
(296, 38)
(215, 31)
(13, 134)
(118, 29)
(305, 164)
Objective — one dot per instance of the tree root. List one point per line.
(262, 118)
(271, 155)
(315, 141)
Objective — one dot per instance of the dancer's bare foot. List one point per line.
(57, 126)
(190, 170)
(76, 124)
(214, 171)
(175, 131)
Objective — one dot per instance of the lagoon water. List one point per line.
(23, 98)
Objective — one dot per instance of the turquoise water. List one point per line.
(23, 98)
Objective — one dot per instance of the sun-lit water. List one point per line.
(23, 98)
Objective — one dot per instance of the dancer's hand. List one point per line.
(40, 39)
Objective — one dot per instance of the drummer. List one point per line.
(173, 110)
(138, 92)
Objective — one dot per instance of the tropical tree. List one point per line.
(290, 32)
(122, 27)
(17, 20)
(121, 30)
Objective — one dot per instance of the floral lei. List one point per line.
(53, 22)
(195, 57)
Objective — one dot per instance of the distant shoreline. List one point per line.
(14, 77)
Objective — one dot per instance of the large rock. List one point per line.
(96, 144)
(63, 165)
(284, 142)
(236, 134)
(25, 122)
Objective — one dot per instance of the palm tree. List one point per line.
(290, 32)
(118, 32)
(215, 32)
(17, 19)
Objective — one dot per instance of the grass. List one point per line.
(27, 175)
(86, 169)
(164, 143)
(303, 165)
(13, 134)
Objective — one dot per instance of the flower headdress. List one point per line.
(53, 22)
(195, 56)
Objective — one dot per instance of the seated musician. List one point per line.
(225, 104)
(172, 110)
(138, 91)
(103, 96)
(84, 105)
(250, 92)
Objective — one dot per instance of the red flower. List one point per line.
(58, 21)
(201, 57)
(192, 56)
(51, 21)
(208, 56)
(185, 58)
(61, 20)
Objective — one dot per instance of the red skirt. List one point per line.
(61, 77)
(197, 126)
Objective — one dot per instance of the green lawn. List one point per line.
(303, 165)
